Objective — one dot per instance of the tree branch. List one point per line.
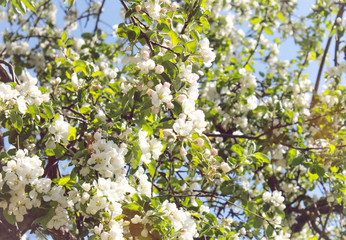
(313, 101)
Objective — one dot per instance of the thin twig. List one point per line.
(99, 15)
(257, 44)
(313, 100)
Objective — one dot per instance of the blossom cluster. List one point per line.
(19, 172)
(107, 157)
(23, 95)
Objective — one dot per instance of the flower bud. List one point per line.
(155, 110)
(214, 151)
(167, 85)
(199, 142)
(150, 92)
(225, 167)
(170, 105)
(159, 69)
(138, 8)
(183, 152)
(181, 98)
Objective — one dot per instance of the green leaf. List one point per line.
(281, 17)
(98, 74)
(319, 170)
(133, 32)
(130, 12)
(17, 121)
(11, 219)
(205, 24)
(19, 5)
(72, 135)
(84, 109)
(238, 149)
(298, 160)
(261, 157)
(269, 231)
(211, 218)
(255, 20)
(258, 222)
(147, 19)
(133, 206)
(45, 218)
(59, 151)
(63, 181)
(289, 113)
(174, 37)
(30, 4)
(63, 37)
(71, 3)
(146, 105)
(312, 176)
(136, 153)
(268, 31)
(260, 108)
(49, 111)
(195, 34)
(191, 46)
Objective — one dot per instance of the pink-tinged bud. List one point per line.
(159, 69)
(166, 132)
(338, 20)
(183, 152)
(114, 135)
(225, 167)
(140, 87)
(169, 20)
(170, 105)
(99, 87)
(167, 85)
(150, 92)
(174, 6)
(150, 84)
(214, 151)
(145, 55)
(155, 110)
(199, 142)
(181, 98)
(138, 8)
(163, 10)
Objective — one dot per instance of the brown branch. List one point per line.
(61, 234)
(336, 50)
(257, 44)
(149, 42)
(169, 49)
(141, 32)
(227, 135)
(313, 100)
(270, 222)
(187, 22)
(2, 144)
(99, 15)
(309, 148)
(4, 76)
(319, 231)
(14, 232)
